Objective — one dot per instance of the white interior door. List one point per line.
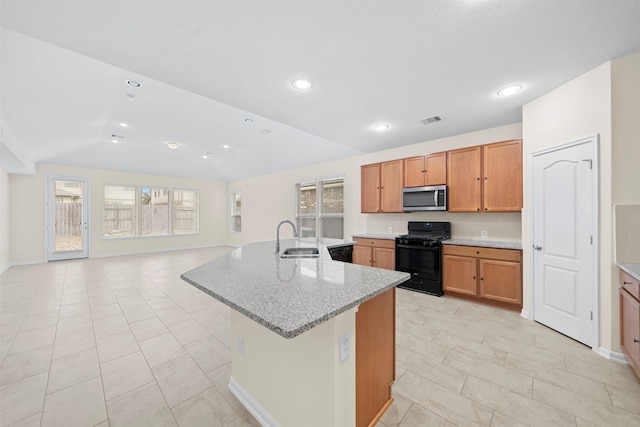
(67, 218)
(564, 240)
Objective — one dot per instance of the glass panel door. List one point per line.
(67, 218)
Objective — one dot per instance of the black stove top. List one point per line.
(430, 231)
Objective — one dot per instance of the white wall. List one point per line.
(27, 195)
(603, 101)
(4, 221)
(625, 172)
(266, 200)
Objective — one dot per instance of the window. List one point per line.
(147, 211)
(185, 212)
(155, 211)
(119, 211)
(320, 208)
(236, 211)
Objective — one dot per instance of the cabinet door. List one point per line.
(362, 255)
(414, 172)
(459, 274)
(391, 178)
(500, 281)
(370, 188)
(375, 356)
(436, 169)
(463, 179)
(630, 327)
(384, 258)
(502, 164)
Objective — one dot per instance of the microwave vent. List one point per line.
(430, 120)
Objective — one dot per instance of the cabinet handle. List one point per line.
(478, 209)
(636, 340)
(485, 209)
(482, 278)
(474, 277)
(627, 283)
(477, 179)
(485, 178)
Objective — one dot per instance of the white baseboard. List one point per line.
(612, 355)
(5, 268)
(525, 313)
(251, 404)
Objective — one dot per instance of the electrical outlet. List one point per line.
(345, 347)
(484, 234)
(240, 344)
(390, 229)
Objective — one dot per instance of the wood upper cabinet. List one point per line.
(380, 253)
(502, 165)
(486, 178)
(486, 274)
(464, 168)
(630, 319)
(425, 170)
(381, 187)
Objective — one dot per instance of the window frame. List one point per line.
(318, 216)
(138, 217)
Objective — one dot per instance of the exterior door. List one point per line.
(565, 258)
(67, 218)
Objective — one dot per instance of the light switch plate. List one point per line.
(484, 234)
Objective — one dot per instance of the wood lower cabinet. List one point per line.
(484, 274)
(375, 357)
(380, 253)
(630, 319)
(422, 171)
(381, 187)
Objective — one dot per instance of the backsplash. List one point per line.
(499, 226)
(627, 233)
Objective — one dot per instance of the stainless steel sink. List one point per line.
(300, 253)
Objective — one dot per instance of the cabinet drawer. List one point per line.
(481, 252)
(379, 243)
(630, 284)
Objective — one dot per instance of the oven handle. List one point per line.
(422, 248)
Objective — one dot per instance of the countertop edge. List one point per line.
(381, 236)
(484, 243)
(630, 268)
(294, 333)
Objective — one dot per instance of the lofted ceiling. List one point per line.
(218, 73)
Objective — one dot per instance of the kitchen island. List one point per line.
(313, 339)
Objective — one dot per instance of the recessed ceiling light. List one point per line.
(124, 125)
(204, 156)
(172, 145)
(248, 120)
(301, 84)
(225, 146)
(380, 127)
(115, 141)
(133, 83)
(509, 90)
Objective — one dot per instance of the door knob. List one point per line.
(536, 247)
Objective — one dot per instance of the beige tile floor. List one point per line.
(123, 341)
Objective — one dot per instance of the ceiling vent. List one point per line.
(430, 120)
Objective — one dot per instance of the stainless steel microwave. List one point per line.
(432, 198)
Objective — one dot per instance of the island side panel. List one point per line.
(375, 357)
(297, 381)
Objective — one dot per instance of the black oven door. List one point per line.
(424, 264)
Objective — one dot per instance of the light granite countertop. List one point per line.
(631, 268)
(289, 296)
(483, 243)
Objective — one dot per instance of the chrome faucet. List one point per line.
(295, 233)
